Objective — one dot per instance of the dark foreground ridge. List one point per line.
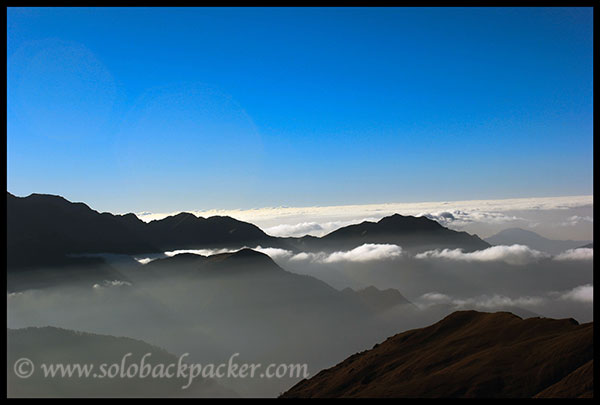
(468, 354)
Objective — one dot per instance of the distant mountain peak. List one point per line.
(410, 222)
(243, 255)
(519, 236)
(405, 231)
(178, 217)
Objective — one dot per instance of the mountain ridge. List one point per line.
(53, 345)
(466, 354)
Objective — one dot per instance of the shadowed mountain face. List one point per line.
(49, 345)
(467, 354)
(43, 230)
(520, 236)
(577, 384)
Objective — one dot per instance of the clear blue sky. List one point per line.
(175, 109)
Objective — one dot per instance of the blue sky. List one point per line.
(176, 109)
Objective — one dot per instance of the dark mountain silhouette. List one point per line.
(43, 229)
(411, 233)
(588, 246)
(467, 354)
(49, 345)
(520, 236)
(47, 230)
(245, 261)
(186, 230)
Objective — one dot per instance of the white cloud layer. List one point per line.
(366, 253)
(514, 255)
(583, 293)
(203, 252)
(312, 228)
(381, 210)
(275, 253)
(111, 283)
(576, 254)
(318, 221)
(577, 219)
(462, 218)
(363, 253)
(483, 301)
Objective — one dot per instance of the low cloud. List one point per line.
(461, 218)
(482, 301)
(436, 297)
(145, 260)
(319, 257)
(301, 229)
(513, 255)
(583, 293)
(577, 219)
(111, 284)
(576, 254)
(312, 228)
(202, 252)
(275, 253)
(500, 301)
(364, 253)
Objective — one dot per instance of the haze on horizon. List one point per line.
(159, 110)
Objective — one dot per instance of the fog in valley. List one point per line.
(273, 305)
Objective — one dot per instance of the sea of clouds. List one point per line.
(568, 217)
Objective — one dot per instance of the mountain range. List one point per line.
(46, 230)
(243, 301)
